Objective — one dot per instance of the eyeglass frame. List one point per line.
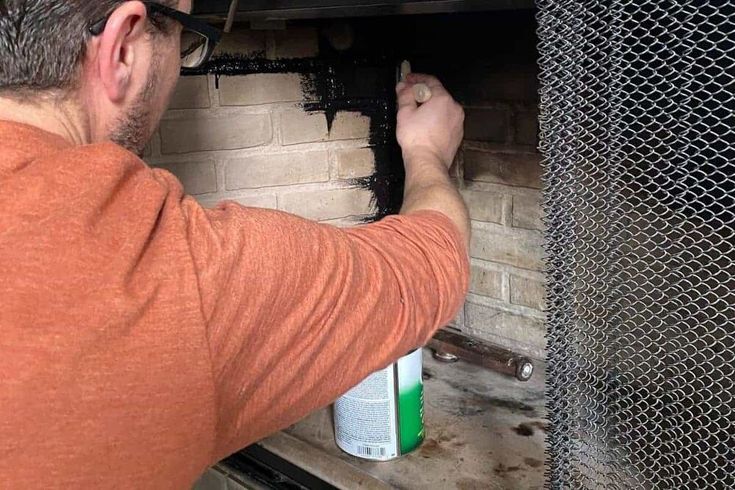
(187, 21)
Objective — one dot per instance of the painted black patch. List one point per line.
(467, 52)
(356, 84)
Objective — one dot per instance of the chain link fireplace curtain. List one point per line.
(638, 133)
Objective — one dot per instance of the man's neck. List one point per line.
(55, 117)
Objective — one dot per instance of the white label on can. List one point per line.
(365, 418)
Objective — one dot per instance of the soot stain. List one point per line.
(431, 449)
(512, 405)
(524, 430)
(440, 445)
(517, 406)
(472, 404)
(527, 429)
(501, 469)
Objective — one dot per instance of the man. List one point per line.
(142, 337)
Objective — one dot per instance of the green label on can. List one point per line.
(410, 402)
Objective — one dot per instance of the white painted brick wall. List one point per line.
(491, 207)
(191, 93)
(256, 89)
(354, 163)
(350, 126)
(281, 169)
(298, 127)
(527, 212)
(510, 246)
(328, 204)
(187, 132)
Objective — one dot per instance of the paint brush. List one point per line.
(421, 91)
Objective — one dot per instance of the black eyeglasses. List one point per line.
(198, 39)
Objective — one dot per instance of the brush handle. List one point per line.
(421, 91)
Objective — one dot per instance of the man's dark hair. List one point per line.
(42, 42)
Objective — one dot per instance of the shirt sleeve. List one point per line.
(298, 312)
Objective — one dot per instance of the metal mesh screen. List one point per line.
(638, 133)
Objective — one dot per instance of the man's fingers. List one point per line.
(406, 97)
(436, 87)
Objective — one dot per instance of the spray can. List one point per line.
(382, 418)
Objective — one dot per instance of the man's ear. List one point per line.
(119, 44)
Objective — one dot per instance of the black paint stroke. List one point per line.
(335, 84)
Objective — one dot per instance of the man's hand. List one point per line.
(434, 128)
(429, 136)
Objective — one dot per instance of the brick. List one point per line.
(281, 169)
(354, 163)
(303, 127)
(329, 204)
(350, 126)
(517, 329)
(527, 212)
(242, 42)
(527, 128)
(486, 282)
(511, 84)
(261, 88)
(197, 178)
(191, 93)
(515, 169)
(207, 133)
(486, 206)
(296, 43)
(489, 125)
(527, 292)
(519, 248)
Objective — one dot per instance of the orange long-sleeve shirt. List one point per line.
(142, 337)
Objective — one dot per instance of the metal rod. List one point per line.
(447, 342)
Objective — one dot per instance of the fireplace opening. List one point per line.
(629, 265)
